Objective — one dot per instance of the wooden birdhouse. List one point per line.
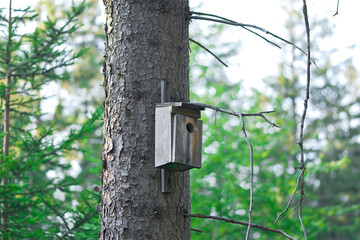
(178, 136)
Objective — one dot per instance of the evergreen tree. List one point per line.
(39, 194)
(331, 197)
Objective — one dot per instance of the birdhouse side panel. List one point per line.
(163, 132)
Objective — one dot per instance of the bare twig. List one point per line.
(206, 49)
(217, 109)
(218, 19)
(196, 230)
(251, 175)
(301, 145)
(230, 220)
(292, 197)
(261, 114)
(290, 212)
(226, 19)
(267, 40)
(301, 177)
(337, 9)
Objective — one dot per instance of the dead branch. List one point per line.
(301, 177)
(230, 220)
(247, 29)
(206, 49)
(297, 205)
(196, 230)
(264, 38)
(337, 9)
(251, 175)
(292, 197)
(301, 145)
(260, 114)
(218, 19)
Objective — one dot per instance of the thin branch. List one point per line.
(301, 145)
(290, 212)
(337, 9)
(267, 40)
(22, 112)
(21, 102)
(307, 26)
(206, 49)
(196, 230)
(61, 216)
(44, 71)
(251, 175)
(292, 197)
(212, 15)
(261, 114)
(218, 19)
(217, 109)
(301, 222)
(230, 220)
(233, 23)
(226, 19)
(78, 224)
(302, 193)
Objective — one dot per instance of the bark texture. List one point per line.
(147, 41)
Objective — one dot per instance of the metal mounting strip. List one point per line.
(165, 174)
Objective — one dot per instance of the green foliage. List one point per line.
(42, 195)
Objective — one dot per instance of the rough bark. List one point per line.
(147, 41)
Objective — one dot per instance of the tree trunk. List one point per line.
(147, 41)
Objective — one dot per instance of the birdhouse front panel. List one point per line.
(187, 141)
(178, 138)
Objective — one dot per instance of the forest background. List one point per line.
(50, 187)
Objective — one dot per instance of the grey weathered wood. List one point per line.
(185, 111)
(163, 136)
(187, 144)
(147, 41)
(184, 108)
(190, 105)
(177, 140)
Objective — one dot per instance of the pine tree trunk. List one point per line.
(147, 41)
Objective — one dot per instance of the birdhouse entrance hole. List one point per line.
(178, 136)
(189, 127)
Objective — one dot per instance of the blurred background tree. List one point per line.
(221, 186)
(46, 190)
